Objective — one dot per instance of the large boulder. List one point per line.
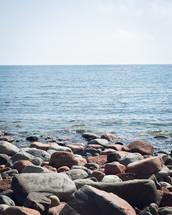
(114, 168)
(62, 158)
(52, 183)
(146, 166)
(141, 147)
(138, 193)
(91, 201)
(8, 148)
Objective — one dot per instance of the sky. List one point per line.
(82, 32)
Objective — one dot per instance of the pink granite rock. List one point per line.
(100, 159)
(113, 168)
(15, 210)
(142, 147)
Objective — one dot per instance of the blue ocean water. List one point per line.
(129, 101)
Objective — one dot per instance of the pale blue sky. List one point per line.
(65, 32)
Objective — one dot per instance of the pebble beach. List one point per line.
(102, 176)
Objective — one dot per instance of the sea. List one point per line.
(128, 101)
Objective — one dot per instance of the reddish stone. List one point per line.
(57, 209)
(49, 140)
(62, 158)
(98, 175)
(161, 136)
(146, 166)
(121, 154)
(43, 146)
(113, 168)
(81, 161)
(63, 139)
(118, 147)
(101, 159)
(126, 176)
(16, 210)
(166, 197)
(4, 169)
(19, 165)
(107, 151)
(50, 168)
(141, 147)
(75, 147)
(63, 169)
(5, 184)
(95, 146)
(108, 137)
(7, 138)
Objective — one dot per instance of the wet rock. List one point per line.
(100, 159)
(109, 137)
(102, 142)
(45, 156)
(111, 179)
(23, 156)
(98, 175)
(84, 202)
(16, 210)
(38, 202)
(77, 174)
(90, 136)
(8, 148)
(131, 157)
(3, 159)
(32, 138)
(21, 164)
(6, 200)
(146, 166)
(7, 138)
(114, 168)
(34, 169)
(52, 183)
(62, 158)
(141, 147)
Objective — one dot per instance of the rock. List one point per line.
(141, 147)
(38, 202)
(164, 172)
(21, 164)
(94, 146)
(120, 154)
(63, 169)
(32, 138)
(131, 157)
(111, 179)
(166, 197)
(102, 142)
(118, 147)
(42, 146)
(5, 184)
(10, 173)
(6, 200)
(3, 207)
(34, 169)
(112, 157)
(60, 148)
(126, 176)
(98, 175)
(138, 193)
(146, 166)
(4, 169)
(81, 161)
(165, 211)
(107, 151)
(100, 159)
(77, 174)
(88, 171)
(3, 159)
(8, 148)
(23, 156)
(52, 183)
(84, 202)
(161, 137)
(54, 201)
(75, 148)
(50, 168)
(109, 137)
(16, 210)
(114, 168)
(62, 158)
(57, 209)
(92, 166)
(90, 136)
(45, 156)
(7, 138)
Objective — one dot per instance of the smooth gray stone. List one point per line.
(52, 183)
(77, 174)
(131, 157)
(138, 193)
(10, 172)
(34, 169)
(60, 148)
(45, 156)
(111, 179)
(89, 136)
(83, 168)
(102, 142)
(8, 148)
(6, 200)
(23, 156)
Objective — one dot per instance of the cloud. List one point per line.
(162, 10)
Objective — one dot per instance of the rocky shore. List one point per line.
(103, 176)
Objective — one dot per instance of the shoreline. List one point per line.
(55, 172)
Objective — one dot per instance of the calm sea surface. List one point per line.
(129, 101)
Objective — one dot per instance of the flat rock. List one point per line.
(114, 168)
(131, 157)
(84, 202)
(34, 169)
(102, 142)
(43, 155)
(77, 174)
(60, 148)
(52, 183)
(146, 166)
(16, 210)
(100, 159)
(8, 148)
(141, 147)
(42, 146)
